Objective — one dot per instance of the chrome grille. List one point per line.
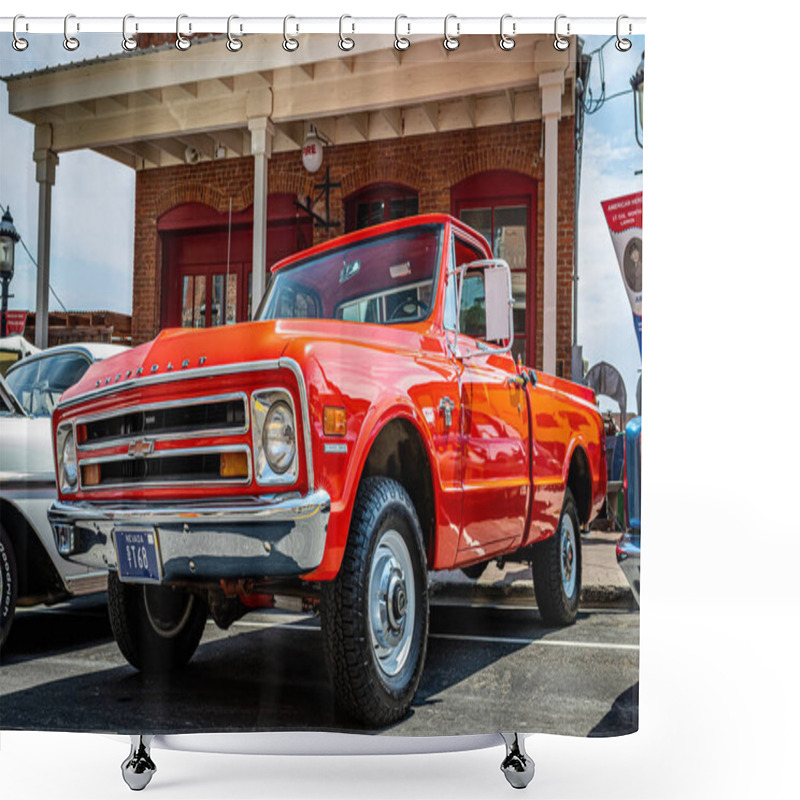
(206, 416)
(166, 468)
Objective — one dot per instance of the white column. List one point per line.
(551, 86)
(46, 161)
(261, 131)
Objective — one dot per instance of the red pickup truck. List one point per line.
(370, 425)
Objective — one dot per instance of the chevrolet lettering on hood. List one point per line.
(362, 430)
(185, 364)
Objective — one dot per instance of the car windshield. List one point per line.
(386, 279)
(38, 383)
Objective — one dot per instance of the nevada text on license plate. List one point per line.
(137, 555)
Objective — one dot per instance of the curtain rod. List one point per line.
(404, 25)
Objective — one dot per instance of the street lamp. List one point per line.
(8, 238)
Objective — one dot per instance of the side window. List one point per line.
(472, 313)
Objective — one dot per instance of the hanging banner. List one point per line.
(624, 219)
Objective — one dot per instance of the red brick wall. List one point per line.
(430, 164)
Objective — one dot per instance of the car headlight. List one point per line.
(274, 436)
(67, 459)
(280, 442)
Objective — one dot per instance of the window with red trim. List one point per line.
(378, 203)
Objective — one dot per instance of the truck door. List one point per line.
(494, 428)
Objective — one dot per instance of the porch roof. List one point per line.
(145, 109)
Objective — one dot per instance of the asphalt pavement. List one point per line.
(491, 660)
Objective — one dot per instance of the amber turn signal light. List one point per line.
(91, 475)
(334, 421)
(233, 465)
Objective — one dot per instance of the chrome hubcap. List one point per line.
(391, 606)
(569, 571)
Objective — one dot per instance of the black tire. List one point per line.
(558, 590)
(375, 660)
(8, 586)
(157, 628)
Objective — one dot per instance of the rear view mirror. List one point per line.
(498, 303)
(492, 312)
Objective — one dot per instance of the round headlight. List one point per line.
(278, 437)
(69, 462)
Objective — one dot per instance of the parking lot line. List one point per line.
(548, 642)
(460, 637)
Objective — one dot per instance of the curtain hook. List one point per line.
(128, 42)
(181, 42)
(19, 44)
(623, 45)
(233, 44)
(290, 44)
(560, 43)
(451, 42)
(345, 43)
(400, 42)
(70, 42)
(506, 42)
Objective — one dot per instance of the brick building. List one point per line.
(222, 192)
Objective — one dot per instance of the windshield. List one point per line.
(383, 280)
(38, 383)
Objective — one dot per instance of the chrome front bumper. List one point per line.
(253, 537)
(629, 558)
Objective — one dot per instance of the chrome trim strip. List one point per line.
(169, 377)
(290, 363)
(123, 457)
(252, 508)
(165, 437)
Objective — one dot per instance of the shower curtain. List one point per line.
(177, 177)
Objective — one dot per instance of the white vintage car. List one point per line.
(31, 571)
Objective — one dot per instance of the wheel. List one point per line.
(157, 628)
(8, 586)
(474, 571)
(557, 568)
(375, 613)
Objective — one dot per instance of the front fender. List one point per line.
(377, 417)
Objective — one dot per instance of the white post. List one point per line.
(261, 131)
(46, 161)
(551, 85)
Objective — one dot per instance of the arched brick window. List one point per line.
(379, 202)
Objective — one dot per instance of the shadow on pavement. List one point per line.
(622, 716)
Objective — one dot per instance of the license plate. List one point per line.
(137, 555)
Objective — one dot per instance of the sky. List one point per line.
(92, 231)
(92, 234)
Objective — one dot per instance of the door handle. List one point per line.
(446, 406)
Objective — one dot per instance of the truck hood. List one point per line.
(185, 349)
(181, 350)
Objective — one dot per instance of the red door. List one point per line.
(207, 262)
